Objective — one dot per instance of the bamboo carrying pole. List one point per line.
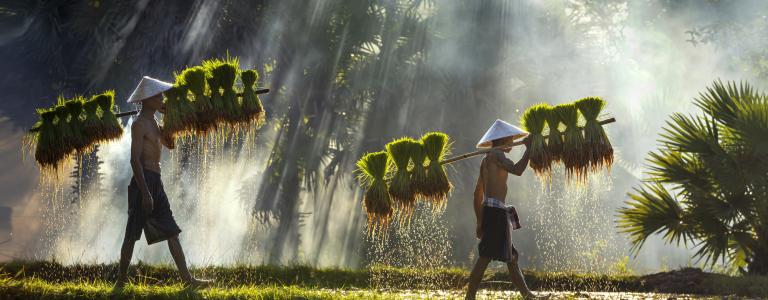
(518, 143)
(134, 112)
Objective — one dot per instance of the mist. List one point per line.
(468, 63)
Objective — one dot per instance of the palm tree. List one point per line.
(708, 183)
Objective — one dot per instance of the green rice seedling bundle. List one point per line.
(186, 109)
(418, 172)
(179, 117)
(213, 78)
(225, 74)
(112, 129)
(92, 125)
(574, 160)
(533, 120)
(64, 131)
(400, 190)
(371, 171)
(437, 186)
(194, 79)
(599, 149)
(79, 139)
(252, 107)
(46, 143)
(555, 136)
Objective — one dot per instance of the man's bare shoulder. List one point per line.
(497, 155)
(139, 125)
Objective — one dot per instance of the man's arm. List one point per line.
(478, 200)
(138, 132)
(510, 166)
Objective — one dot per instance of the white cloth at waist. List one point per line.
(491, 202)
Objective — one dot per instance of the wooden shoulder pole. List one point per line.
(518, 143)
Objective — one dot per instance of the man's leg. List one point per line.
(126, 252)
(476, 276)
(517, 276)
(181, 262)
(178, 257)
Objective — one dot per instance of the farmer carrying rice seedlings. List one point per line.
(148, 207)
(495, 220)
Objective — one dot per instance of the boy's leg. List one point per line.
(477, 274)
(181, 262)
(126, 252)
(178, 257)
(517, 276)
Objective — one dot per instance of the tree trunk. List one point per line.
(758, 264)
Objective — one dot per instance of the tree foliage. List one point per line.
(707, 183)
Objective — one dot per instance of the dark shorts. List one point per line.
(496, 242)
(159, 225)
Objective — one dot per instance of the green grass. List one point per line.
(29, 280)
(40, 289)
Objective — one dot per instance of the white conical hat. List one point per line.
(148, 87)
(498, 130)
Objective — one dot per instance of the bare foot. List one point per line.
(198, 283)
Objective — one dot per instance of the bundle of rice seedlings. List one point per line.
(533, 120)
(46, 142)
(112, 129)
(400, 189)
(252, 107)
(80, 142)
(436, 183)
(418, 172)
(225, 74)
(92, 125)
(555, 136)
(214, 84)
(186, 109)
(371, 170)
(172, 123)
(194, 79)
(599, 149)
(64, 134)
(574, 160)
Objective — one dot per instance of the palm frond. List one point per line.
(751, 124)
(652, 209)
(693, 134)
(678, 168)
(720, 100)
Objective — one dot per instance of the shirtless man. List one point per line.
(493, 216)
(148, 207)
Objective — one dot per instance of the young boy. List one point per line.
(148, 207)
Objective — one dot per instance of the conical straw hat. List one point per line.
(148, 87)
(498, 130)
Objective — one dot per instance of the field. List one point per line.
(30, 280)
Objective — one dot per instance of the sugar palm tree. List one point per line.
(708, 182)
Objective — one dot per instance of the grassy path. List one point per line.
(39, 289)
(46, 280)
